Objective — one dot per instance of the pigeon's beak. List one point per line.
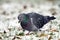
(18, 21)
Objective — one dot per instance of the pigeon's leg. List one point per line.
(23, 30)
(28, 33)
(39, 30)
(31, 32)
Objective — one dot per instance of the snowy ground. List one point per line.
(10, 29)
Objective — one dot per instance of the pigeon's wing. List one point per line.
(38, 20)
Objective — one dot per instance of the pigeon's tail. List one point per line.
(51, 18)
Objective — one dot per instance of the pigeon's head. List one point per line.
(22, 17)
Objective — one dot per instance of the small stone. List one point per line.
(24, 6)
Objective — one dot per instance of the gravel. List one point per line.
(10, 29)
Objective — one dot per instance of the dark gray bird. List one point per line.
(33, 21)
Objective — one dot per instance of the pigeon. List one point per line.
(33, 21)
